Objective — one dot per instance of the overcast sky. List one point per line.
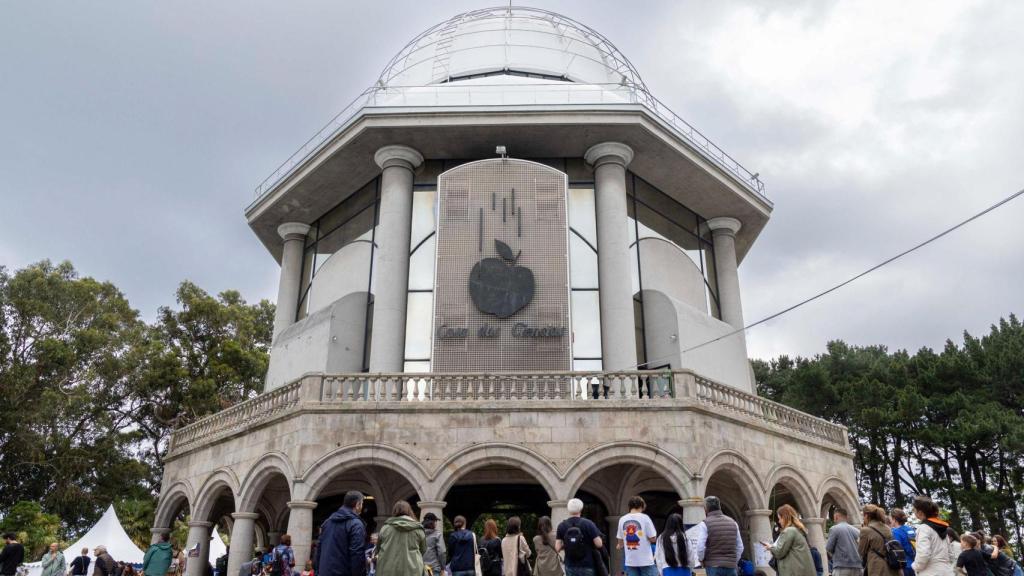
(132, 135)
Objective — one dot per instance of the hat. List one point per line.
(430, 516)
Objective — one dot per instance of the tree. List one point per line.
(35, 529)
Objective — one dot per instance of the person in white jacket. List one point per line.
(934, 554)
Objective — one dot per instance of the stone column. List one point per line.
(273, 538)
(300, 528)
(618, 333)
(723, 234)
(816, 534)
(614, 554)
(387, 342)
(379, 522)
(158, 534)
(760, 531)
(243, 533)
(198, 533)
(294, 236)
(693, 511)
(559, 512)
(435, 506)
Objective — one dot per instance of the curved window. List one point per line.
(419, 318)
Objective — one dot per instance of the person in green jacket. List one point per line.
(157, 560)
(792, 552)
(401, 544)
(53, 562)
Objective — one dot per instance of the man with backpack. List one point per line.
(222, 563)
(880, 554)
(282, 558)
(580, 540)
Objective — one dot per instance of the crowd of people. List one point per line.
(883, 545)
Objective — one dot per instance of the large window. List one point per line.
(420, 311)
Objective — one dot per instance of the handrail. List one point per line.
(633, 390)
(638, 94)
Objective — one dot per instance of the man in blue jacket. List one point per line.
(343, 540)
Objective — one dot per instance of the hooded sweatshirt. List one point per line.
(934, 555)
(400, 547)
(341, 547)
(158, 559)
(461, 550)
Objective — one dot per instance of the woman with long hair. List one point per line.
(548, 562)
(670, 553)
(515, 550)
(491, 543)
(871, 545)
(401, 543)
(791, 550)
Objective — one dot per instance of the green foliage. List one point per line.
(949, 424)
(36, 530)
(89, 393)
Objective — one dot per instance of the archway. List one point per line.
(211, 518)
(731, 478)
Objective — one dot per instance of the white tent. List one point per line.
(107, 532)
(217, 547)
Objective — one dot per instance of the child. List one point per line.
(971, 559)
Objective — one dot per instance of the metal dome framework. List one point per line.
(438, 44)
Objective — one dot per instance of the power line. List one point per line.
(852, 278)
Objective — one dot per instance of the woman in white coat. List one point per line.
(934, 555)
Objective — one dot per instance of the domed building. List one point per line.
(508, 278)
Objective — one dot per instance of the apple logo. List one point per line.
(498, 286)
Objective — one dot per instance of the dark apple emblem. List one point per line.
(498, 286)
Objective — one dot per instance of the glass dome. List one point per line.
(510, 41)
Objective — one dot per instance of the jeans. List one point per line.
(712, 571)
(573, 571)
(642, 570)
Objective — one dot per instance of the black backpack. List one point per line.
(576, 548)
(222, 565)
(485, 559)
(895, 556)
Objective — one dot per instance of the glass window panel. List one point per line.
(424, 216)
(587, 365)
(418, 323)
(582, 217)
(421, 266)
(586, 324)
(634, 268)
(417, 367)
(357, 206)
(578, 170)
(427, 174)
(304, 288)
(582, 264)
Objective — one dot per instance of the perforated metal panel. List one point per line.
(523, 205)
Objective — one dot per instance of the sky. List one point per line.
(132, 135)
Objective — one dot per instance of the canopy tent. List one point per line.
(107, 532)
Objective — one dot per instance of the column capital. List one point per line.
(302, 505)
(431, 504)
(814, 521)
(609, 152)
(691, 502)
(610, 519)
(160, 531)
(558, 504)
(200, 524)
(724, 225)
(397, 155)
(245, 515)
(293, 231)
(755, 513)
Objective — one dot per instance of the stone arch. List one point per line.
(627, 452)
(469, 459)
(170, 502)
(833, 487)
(794, 481)
(207, 497)
(260, 475)
(320, 473)
(739, 469)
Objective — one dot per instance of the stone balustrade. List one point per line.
(632, 390)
